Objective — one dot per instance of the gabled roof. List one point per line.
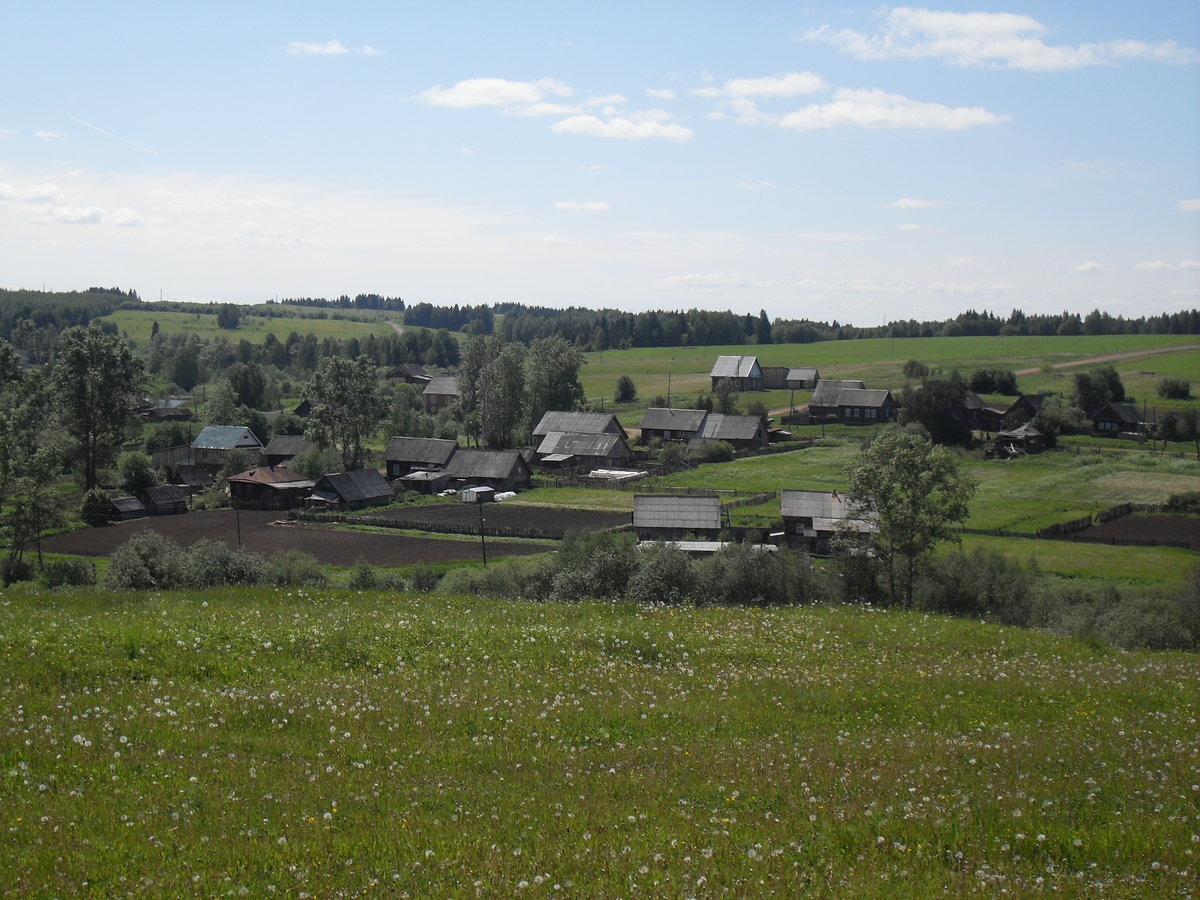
(271, 475)
(445, 385)
(736, 367)
(287, 445)
(802, 374)
(663, 418)
(578, 423)
(431, 451)
(827, 391)
(355, 485)
(484, 464)
(574, 444)
(128, 505)
(1125, 413)
(665, 511)
(409, 370)
(721, 427)
(226, 437)
(863, 397)
(163, 495)
(826, 509)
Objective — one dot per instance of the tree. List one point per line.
(136, 471)
(915, 492)
(939, 406)
(502, 397)
(98, 382)
(626, 390)
(552, 378)
(1175, 389)
(349, 406)
(228, 316)
(914, 368)
(725, 395)
(1096, 388)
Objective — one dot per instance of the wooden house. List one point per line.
(860, 406)
(405, 455)
(504, 470)
(269, 487)
(578, 423)
(811, 519)
(409, 373)
(215, 442)
(440, 392)
(164, 500)
(1024, 408)
(583, 452)
(803, 378)
(825, 403)
(981, 416)
(666, 424)
(355, 489)
(743, 371)
(1115, 419)
(283, 448)
(1026, 439)
(668, 517)
(741, 432)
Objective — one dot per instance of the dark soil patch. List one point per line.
(261, 534)
(507, 515)
(1146, 530)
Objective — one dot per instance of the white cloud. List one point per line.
(76, 215)
(755, 185)
(790, 84)
(660, 93)
(877, 109)
(583, 205)
(909, 226)
(1189, 264)
(368, 50)
(912, 203)
(965, 262)
(125, 217)
(988, 40)
(7, 133)
(712, 281)
(1090, 267)
(1159, 265)
(329, 48)
(32, 193)
(1188, 205)
(594, 167)
(607, 100)
(553, 240)
(623, 128)
(494, 92)
(48, 135)
(259, 236)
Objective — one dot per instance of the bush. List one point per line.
(423, 578)
(1145, 623)
(1175, 389)
(96, 507)
(719, 451)
(363, 576)
(626, 390)
(980, 585)
(13, 570)
(914, 368)
(212, 563)
(136, 471)
(666, 575)
(147, 561)
(292, 568)
(70, 573)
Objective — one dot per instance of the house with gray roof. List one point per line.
(578, 423)
(283, 448)
(215, 442)
(812, 518)
(742, 432)
(803, 378)
(744, 371)
(164, 500)
(583, 452)
(269, 487)
(440, 392)
(861, 406)
(826, 395)
(504, 470)
(350, 490)
(667, 424)
(669, 517)
(405, 455)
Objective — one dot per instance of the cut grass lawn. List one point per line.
(273, 742)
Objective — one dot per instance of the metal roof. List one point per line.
(736, 367)
(442, 384)
(827, 391)
(432, 451)
(692, 512)
(575, 444)
(484, 464)
(662, 418)
(225, 437)
(357, 484)
(802, 374)
(275, 476)
(579, 423)
(164, 494)
(722, 427)
(863, 397)
(825, 509)
(287, 445)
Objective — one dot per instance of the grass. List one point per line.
(337, 744)
(137, 324)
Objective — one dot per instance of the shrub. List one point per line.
(14, 569)
(136, 471)
(666, 574)
(147, 561)
(980, 585)
(363, 576)
(626, 390)
(292, 568)
(70, 573)
(1175, 389)
(914, 368)
(95, 508)
(719, 451)
(211, 563)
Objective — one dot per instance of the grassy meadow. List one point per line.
(137, 324)
(335, 744)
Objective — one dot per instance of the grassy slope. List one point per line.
(138, 324)
(209, 743)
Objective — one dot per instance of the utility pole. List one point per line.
(482, 539)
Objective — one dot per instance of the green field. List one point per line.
(270, 742)
(138, 324)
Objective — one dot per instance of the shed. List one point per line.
(578, 423)
(668, 517)
(504, 470)
(1026, 439)
(269, 487)
(477, 494)
(667, 424)
(164, 500)
(803, 378)
(812, 518)
(283, 448)
(744, 371)
(417, 454)
(127, 508)
(350, 490)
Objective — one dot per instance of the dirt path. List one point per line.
(1114, 357)
(396, 326)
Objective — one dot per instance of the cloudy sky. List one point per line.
(823, 160)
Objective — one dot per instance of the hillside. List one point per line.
(337, 744)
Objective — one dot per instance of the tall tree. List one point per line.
(349, 406)
(915, 492)
(98, 382)
(503, 399)
(939, 405)
(552, 378)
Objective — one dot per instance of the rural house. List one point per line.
(666, 424)
(1114, 419)
(215, 442)
(350, 490)
(824, 405)
(811, 519)
(743, 371)
(803, 379)
(1024, 408)
(164, 500)
(860, 406)
(1026, 439)
(742, 432)
(504, 470)
(269, 487)
(440, 392)
(283, 448)
(405, 455)
(583, 452)
(409, 373)
(578, 423)
(981, 416)
(667, 517)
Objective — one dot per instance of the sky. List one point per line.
(844, 161)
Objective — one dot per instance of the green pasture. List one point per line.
(139, 323)
(329, 744)
(1120, 566)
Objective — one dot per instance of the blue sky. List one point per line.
(824, 160)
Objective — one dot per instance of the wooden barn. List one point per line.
(164, 500)
(577, 423)
(269, 487)
(504, 470)
(583, 452)
(668, 517)
(667, 424)
(744, 371)
(355, 489)
(812, 518)
(742, 432)
(405, 455)
(283, 448)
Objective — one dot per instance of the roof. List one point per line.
(721, 427)
(163, 495)
(1125, 413)
(128, 504)
(663, 418)
(446, 385)
(827, 391)
(574, 444)
(863, 397)
(409, 370)
(484, 463)
(736, 367)
(273, 476)
(826, 509)
(357, 484)
(1028, 430)
(802, 374)
(579, 423)
(692, 512)
(225, 437)
(431, 451)
(287, 445)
